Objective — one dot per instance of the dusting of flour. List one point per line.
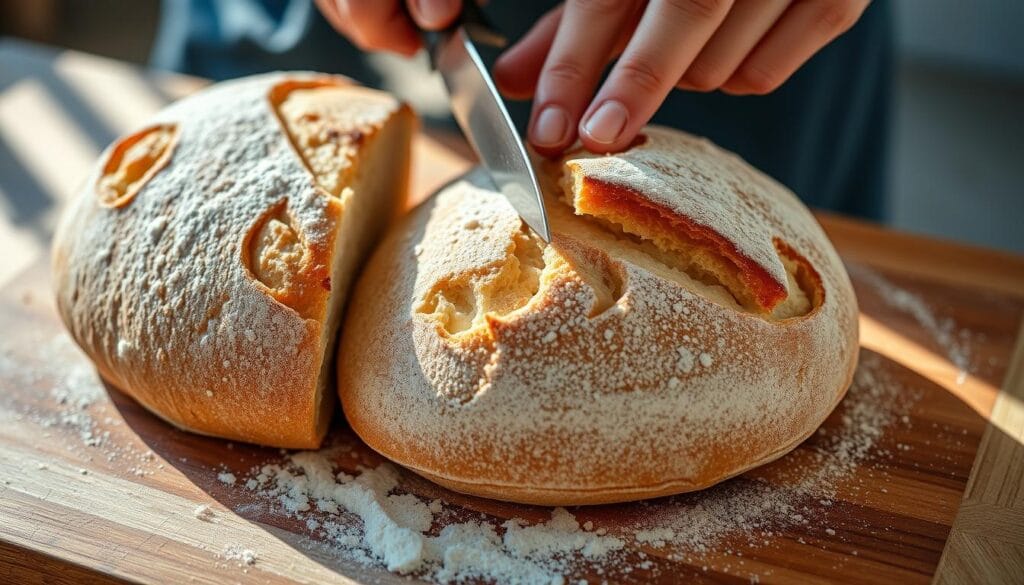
(244, 556)
(369, 519)
(943, 330)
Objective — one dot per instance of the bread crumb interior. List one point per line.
(461, 304)
(357, 150)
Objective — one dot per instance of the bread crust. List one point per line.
(621, 372)
(157, 280)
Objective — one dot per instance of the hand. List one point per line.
(384, 25)
(738, 46)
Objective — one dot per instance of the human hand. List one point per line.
(738, 46)
(384, 25)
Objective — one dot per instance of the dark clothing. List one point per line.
(824, 133)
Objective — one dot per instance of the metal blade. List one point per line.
(481, 114)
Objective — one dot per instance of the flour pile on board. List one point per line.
(204, 513)
(245, 557)
(396, 528)
(368, 519)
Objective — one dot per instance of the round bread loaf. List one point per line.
(205, 264)
(688, 321)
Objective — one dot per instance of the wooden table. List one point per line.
(93, 488)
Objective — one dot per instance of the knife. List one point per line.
(481, 114)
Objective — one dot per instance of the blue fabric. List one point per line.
(824, 133)
(222, 39)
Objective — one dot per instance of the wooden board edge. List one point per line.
(21, 564)
(945, 261)
(986, 542)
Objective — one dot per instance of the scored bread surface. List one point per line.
(620, 362)
(204, 265)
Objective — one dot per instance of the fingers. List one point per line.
(745, 25)
(803, 29)
(586, 35)
(329, 8)
(434, 14)
(750, 47)
(373, 25)
(518, 68)
(669, 37)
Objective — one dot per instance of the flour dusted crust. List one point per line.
(689, 321)
(205, 264)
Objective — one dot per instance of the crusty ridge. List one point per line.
(696, 248)
(705, 204)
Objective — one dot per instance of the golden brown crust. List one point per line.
(583, 496)
(212, 298)
(620, 372)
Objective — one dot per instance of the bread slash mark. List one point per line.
(133, 161)
(276, 255)
(463, 302)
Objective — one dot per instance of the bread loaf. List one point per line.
(688, 321)
(205, 264)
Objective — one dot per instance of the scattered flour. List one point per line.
(943, 330)
(755, 509)
(368, 519)
(203, 513)
(706, 360)
(79, 402)
(245, 557)
(657, 537)
(396, 527)
(75, 390)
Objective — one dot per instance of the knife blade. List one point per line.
(481, 114)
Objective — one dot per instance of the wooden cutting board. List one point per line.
(94, 486)
(922, 462)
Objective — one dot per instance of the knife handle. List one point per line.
(473, 19)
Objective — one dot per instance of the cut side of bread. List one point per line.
(327, 126)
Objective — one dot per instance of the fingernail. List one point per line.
(435, 13)
(607, 122)
(550, 127)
